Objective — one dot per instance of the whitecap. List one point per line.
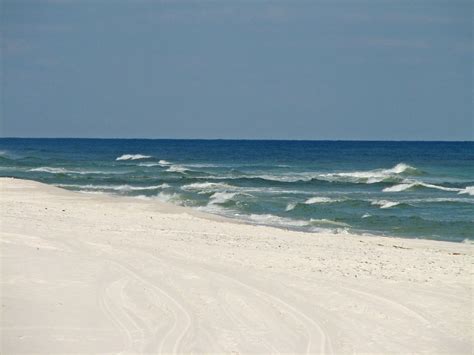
(221, 197)
(133, 157)
(291, 206)
(115, 187)
(207, 187)
(385, 203)
(469, 190)
(314, 200)
(164, 162)
(399, 187)
(149, 165)
(177, 169)
(52, 170)
(407, 184)
(370, 176)
(366, 215)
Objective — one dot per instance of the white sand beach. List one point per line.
(87, 273)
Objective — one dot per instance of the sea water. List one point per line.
(407, 189)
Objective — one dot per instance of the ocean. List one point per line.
(403, 189)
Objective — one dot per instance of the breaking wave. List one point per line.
(312, 201)
(148, 165)
(115, 187)
(206, 187)
(371, 176)
(468, 190)
(133, 157)
(405, 185)
(221, 197)
(177, 169)
(51, 170)
(385, 203)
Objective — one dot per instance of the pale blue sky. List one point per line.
(316, 69)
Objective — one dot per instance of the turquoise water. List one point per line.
(408, 189)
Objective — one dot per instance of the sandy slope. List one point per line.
(99, 274)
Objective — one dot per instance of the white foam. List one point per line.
(47, 169)
(221, 197)
(314, 200)
(399, 187)
(370, 176)
(399, 168)
(366, 215)
(166, 197)
(148, 165)
(204, 187)
(51, 170)
(275, 220)
(407, 184)
(469, 190)
(116, 187)
(177, 169)
(133, 157)
(291, 206)
(328, 221)
(385, 203)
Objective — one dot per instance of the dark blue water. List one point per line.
(409, 189)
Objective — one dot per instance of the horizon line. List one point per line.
(252, 139)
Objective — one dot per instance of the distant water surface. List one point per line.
(408, 189)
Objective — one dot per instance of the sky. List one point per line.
(320, 69)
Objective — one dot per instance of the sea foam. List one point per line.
(406, 184)
(205, 187)
(177, 169)
(469, 190)
(133, 157)
(221, 197)
(385, 203)
(370, 176)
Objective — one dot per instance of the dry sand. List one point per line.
(101, 274)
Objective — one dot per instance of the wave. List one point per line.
(52, 170)
(148, 165)
(221, 197)
(164, 162)
(468, 190)
(371, 176)
(47, 169)
(441, 200)
(367, 177)
(385, 203)
(325, 221)
(405, 185)
(270, 219)
(133, 157)
(166, 197)
(116, 187)
(206, 187)
(312, 201)
(177, 169)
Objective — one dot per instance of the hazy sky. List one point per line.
(291, 69)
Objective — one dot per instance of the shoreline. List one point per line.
(156, 277)
(171, 207)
